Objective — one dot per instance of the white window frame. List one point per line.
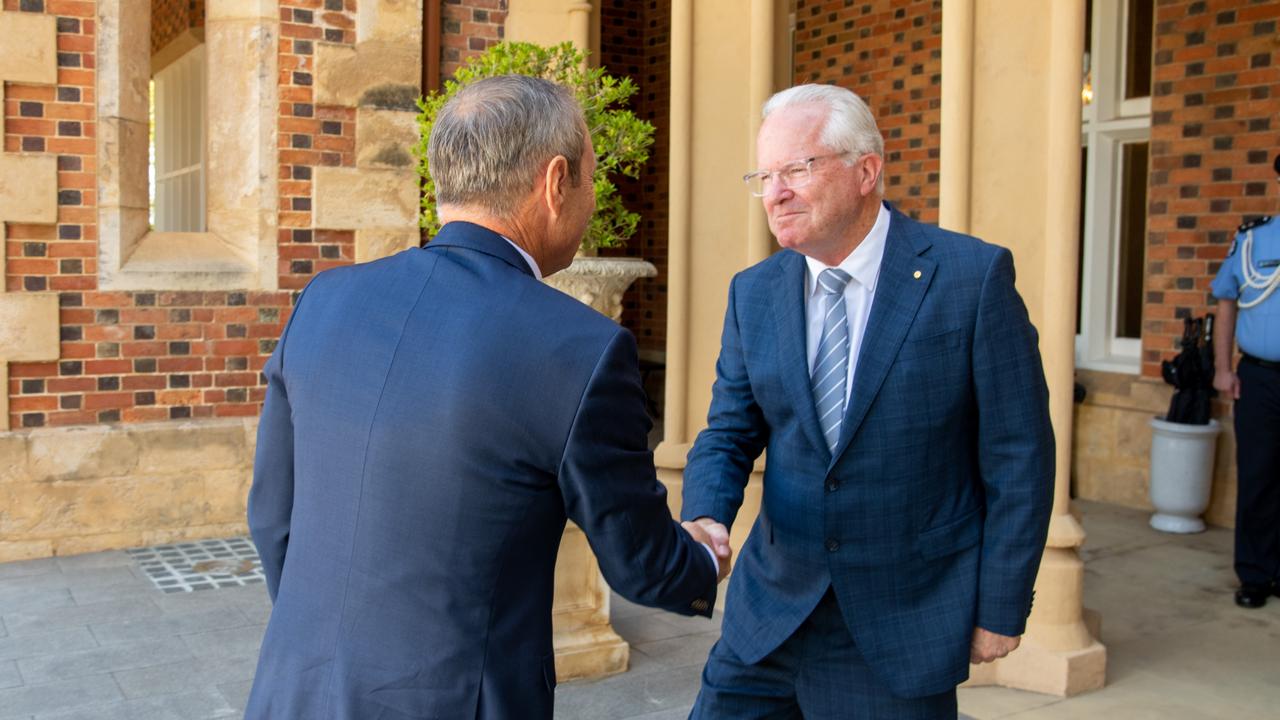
(178, 124)
(1107, 124)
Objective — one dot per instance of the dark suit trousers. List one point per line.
(817, 674)
(1258, 475)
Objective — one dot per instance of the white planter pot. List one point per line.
(1181, 474)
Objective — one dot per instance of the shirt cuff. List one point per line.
(715, 561)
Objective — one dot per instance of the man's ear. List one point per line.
(556, 184)
(872, 166)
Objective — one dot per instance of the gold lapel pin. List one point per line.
(916, 275)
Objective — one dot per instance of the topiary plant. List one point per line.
(621, 139)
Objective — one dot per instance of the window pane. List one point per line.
(1137, 60)
(1084, 182)
(1133, 237)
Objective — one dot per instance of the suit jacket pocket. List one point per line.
(951, 537)
(930, 345)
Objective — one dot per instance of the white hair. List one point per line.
(850, 127)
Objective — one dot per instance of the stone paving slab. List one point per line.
(236, 693)
(66, 640)
(27, 700)
(9, 675)
(176, 677)
(204, 704)
(89, 637)
(42, 619)
(226, 644)
(199, 620)
(105, 659)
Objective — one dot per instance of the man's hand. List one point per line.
(988, 646)
(1227, 382)
(715, 536)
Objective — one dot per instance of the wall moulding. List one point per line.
(239, 249)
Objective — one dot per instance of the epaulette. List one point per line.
(1248, 225)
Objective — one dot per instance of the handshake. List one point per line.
(715, 536)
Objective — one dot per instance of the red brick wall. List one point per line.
(890, 53)
(170, 18)
(635, 41)
(468, 28)
(141, 356)
(1215, 128)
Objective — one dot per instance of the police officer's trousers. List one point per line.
(1257, 424)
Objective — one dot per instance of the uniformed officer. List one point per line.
(1248, 291)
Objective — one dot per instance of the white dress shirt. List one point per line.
(863, 266)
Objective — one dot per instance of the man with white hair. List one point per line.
(891, 372)
(431, 420)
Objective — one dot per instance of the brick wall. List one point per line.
(310, 136)
(1214, 131)
(143, 356)
(170, 18)
(468, 28)
(890, 53)
(635, 41)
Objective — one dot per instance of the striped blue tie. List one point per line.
(832, 362)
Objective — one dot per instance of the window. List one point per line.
(177, 145)
(1115, 138)
(215, 164)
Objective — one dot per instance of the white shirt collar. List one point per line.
(863, 264)
(537, 272)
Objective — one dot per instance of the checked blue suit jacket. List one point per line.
(431, 420)
(931, 515)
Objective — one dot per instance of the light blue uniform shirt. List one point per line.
(1257, 328)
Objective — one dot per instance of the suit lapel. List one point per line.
(789, 314)
(898, 296)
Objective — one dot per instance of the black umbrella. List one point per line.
(1191, 372)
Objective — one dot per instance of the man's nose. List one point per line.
(775, 192)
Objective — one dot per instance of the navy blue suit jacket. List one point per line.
(931, 515)
(431, 420)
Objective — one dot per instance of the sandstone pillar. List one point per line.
(716, 228)
(28, 194)
(1010, 175)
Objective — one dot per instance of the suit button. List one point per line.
(832, 485)
(832, 545)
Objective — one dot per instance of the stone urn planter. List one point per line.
(1181, 474)
(586, 646)
(600, 281)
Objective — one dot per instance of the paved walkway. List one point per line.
(90, 637)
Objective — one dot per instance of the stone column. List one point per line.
(716, 227)
(586, 645)
(1010, 175)
(28, 194)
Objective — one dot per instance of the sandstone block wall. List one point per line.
(72, 490)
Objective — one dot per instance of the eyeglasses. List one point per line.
(792, 175)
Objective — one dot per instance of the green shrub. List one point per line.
(621, 139)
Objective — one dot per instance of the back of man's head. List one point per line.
(491, 140)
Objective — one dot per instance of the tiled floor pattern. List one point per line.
(200, 565)
(91, 637)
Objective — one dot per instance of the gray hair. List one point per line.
(493, 137)
(850, 126)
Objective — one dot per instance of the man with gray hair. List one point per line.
(891, 372)
(431, 421)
